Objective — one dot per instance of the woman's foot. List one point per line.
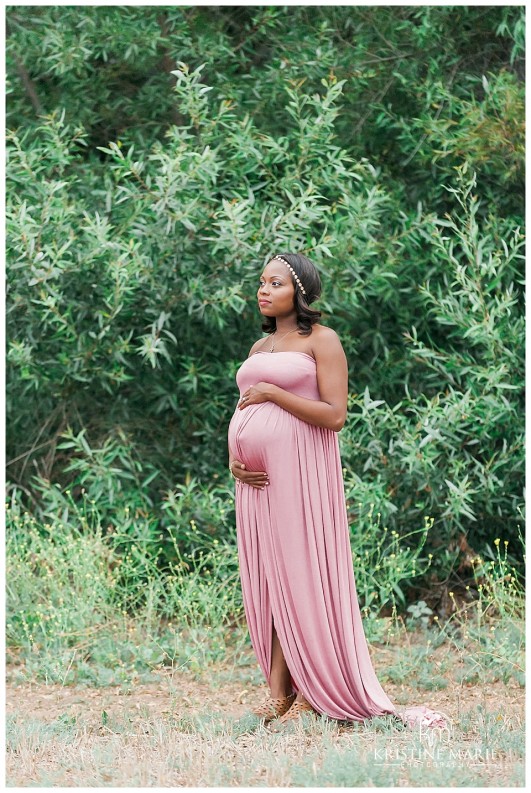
(299, 707)
(274, 708)
(298, 710)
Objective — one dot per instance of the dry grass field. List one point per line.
(180, 728)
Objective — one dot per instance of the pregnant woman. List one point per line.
(293, 538)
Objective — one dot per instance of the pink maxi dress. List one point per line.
(294, 550)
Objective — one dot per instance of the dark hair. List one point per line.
(309, 277)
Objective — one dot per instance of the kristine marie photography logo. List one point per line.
(438, 747)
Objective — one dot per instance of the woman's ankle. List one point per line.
(301, 698)
(280, 692)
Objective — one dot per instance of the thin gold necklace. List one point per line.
(285, 334)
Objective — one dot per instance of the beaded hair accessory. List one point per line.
(294, 274)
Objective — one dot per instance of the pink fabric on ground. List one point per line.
(294, 550)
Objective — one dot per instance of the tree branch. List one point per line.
(29, 85)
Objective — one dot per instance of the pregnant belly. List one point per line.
(258, 432)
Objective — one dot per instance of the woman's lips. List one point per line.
(264, 302)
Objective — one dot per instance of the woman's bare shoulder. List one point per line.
(326, 347)
(323, 336)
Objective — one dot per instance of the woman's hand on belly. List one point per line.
(261, 392)
(254, 478)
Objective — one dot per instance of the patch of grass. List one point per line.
(70, 593)
(332, 766)
(207, 751)
(23, 735)
(432, 682)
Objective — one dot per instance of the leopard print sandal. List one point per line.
(295, 712)
(272, 708)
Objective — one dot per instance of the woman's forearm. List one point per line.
(314, 411)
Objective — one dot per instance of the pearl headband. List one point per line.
(294, 274)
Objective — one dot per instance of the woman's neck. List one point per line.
(286, 324)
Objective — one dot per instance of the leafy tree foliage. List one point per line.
(158, 155)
